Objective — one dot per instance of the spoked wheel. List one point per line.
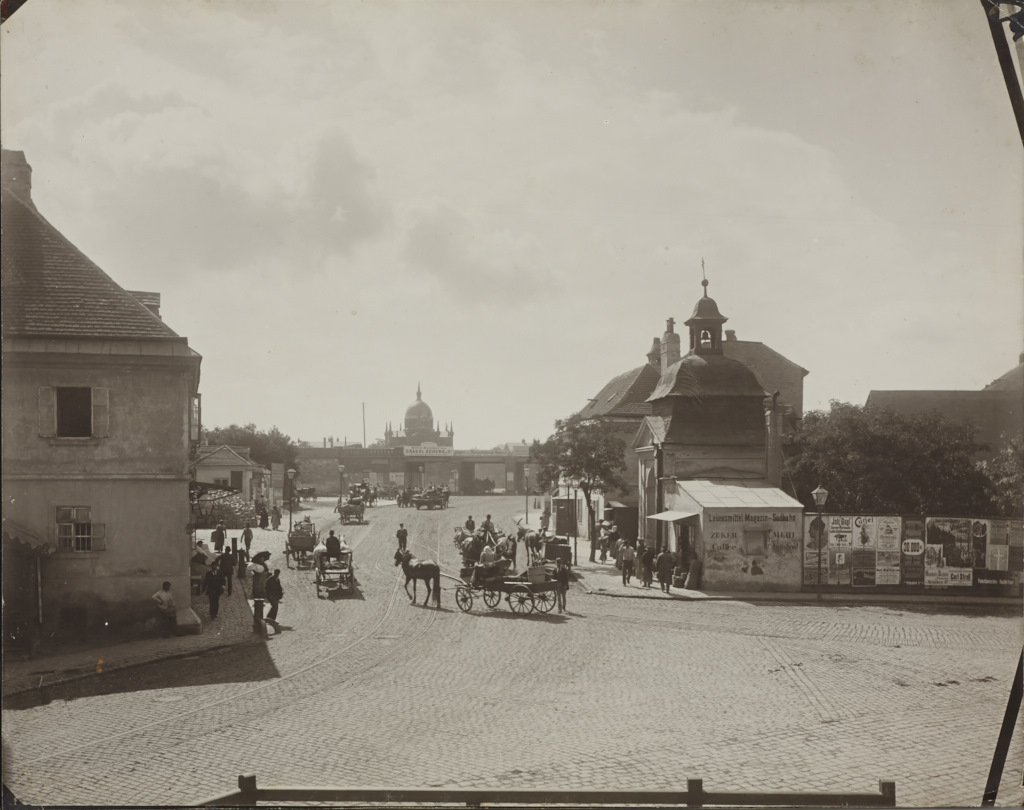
(543, 601)
(520, 600)
(464, 599)
(492, 598)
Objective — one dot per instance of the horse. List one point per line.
(427, 570)
(531, 539)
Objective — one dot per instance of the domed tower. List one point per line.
(418, 416)
(706, 325)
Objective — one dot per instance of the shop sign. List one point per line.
(428, 450)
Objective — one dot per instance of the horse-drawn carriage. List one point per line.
(431, 499)
(300, 544)
(306, 493)
(530, 591)
(351, 511)
(335, 574)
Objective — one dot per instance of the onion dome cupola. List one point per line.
(418, 416)
(705, 325)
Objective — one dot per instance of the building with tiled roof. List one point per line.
(997, 410)
(231, 467)
(100, 414)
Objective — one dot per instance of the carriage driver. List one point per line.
(487, 527)
(333, 546)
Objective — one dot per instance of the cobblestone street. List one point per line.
(366, 689)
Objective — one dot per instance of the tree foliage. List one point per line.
(265, 446)
(877, 461)
(1005, 475)
(584, 449)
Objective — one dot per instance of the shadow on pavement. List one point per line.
(240, 663)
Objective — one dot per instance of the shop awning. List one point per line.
(672, 517)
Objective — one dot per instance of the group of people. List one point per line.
(644, 561)
(273, 517)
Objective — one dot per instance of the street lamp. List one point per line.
(291, 498)
(341, 483)
(526, 474)
(574, 482)
(820, 495)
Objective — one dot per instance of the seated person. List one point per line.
(333, 544)
(488, 555)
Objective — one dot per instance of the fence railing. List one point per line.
(248, 794)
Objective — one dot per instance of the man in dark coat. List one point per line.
(213, 587)
(226, 563)
(274, 591)
(665, 564)
(403, 536)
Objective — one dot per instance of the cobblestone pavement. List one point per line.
(366, 689)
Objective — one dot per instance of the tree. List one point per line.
(1005, 475)
(265, 446)
(582, 449)
(876, 461)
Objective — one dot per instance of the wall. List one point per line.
(911, 554)
(148, 424)
(146, 543)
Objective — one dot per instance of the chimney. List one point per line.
(773, 415)
(669, 346)
(17, 175)
(654, 355)
(150, 300)
(730, 334)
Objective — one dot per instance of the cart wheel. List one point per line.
(491, 598)
(543, 601)
(520, 600)
(464, 599)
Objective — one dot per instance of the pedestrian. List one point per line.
(562, 578)
(218, 538)
(545, 519)
(512, 549)
(264, 518)
(627, 555)
(247, 533)
(260, 574)
(665, 563)
(226, 563)
(275, 593)
(603, 541)
(168, 612)
(213, 587)
(647, 565)
(470, 525)
(275, 517)
(403, 536)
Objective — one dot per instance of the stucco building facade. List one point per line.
(100, 412)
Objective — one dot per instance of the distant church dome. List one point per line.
(418, 416)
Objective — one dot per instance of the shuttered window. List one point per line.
(74, 412)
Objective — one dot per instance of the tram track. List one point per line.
(374, 639)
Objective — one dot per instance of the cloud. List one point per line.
(475, 263)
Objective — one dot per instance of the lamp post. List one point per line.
(526, 474)
(574, 482)
(341, 483)
(820, 495)
(291, 498)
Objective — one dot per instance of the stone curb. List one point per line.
(128, 665)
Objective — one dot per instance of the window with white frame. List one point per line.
(76, 530)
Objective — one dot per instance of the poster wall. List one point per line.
(751, 549)
(865, 551)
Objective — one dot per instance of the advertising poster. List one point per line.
(888, 539)
(979, 543)
(1015, 551)
(949, 555)
(862, 557)
(997, 555)
(840, 543)
(814, 548)
(912, 552)
(752, 549)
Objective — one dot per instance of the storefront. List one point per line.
(747, 536)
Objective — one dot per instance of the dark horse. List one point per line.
(427, 570)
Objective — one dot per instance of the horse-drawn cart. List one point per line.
(300, 544)
(351, 512)
(335, 574)
(430, 500)
(524, 593)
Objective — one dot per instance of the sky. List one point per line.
(503, 202)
